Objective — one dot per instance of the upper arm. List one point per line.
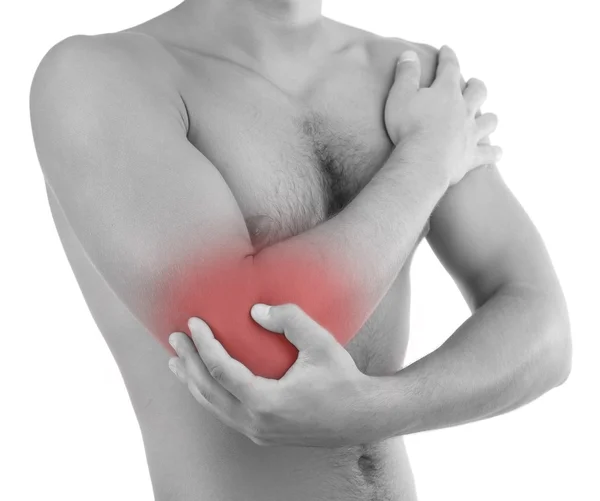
(109, 129)
(155, 217)
(485, 240)
(480, 232)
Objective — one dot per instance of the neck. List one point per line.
(260, 28)
(291, 13)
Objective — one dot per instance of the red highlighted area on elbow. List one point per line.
(221, 291)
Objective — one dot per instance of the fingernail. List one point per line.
(173, 368)
(498, 155)
(407, 56)
(260, 310)
(195, 323)
(172, 340)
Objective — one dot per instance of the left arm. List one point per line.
(516, 345)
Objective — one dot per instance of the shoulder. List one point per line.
(109, 62)
(382, 52)
(386, 50)
(139, 50)
(100, 73)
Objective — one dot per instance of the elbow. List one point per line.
(556, 364)
(556, 345)
(562, 358)
(561, 341)
(547, 363)
(547, 367)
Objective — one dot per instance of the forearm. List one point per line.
(512, 350)
(363, 247)
(336, 272)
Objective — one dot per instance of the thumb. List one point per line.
(289, 319)
(408, 73)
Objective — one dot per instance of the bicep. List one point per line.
(484, 238)
(147, 206)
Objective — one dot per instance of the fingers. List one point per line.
(178, 368)
(232, 375)
(475, 94)
(486, 124)
(408, 73)
(448, 69)
(487, 154)
(299, 328)
(199, 381)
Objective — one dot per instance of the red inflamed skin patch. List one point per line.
(222, 289)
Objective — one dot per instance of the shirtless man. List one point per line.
(229, 153)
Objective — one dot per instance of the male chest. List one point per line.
(290, 161)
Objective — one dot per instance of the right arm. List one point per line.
(162, 227)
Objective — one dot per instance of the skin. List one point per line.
(167, 111)
(325, 377)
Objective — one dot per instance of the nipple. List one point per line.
(259, 228)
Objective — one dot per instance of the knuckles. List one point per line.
(259, 441)
(217, 373)
(479, 85)
(291, 312)
(258, 431)
(262, 413)
(263, 408)
(203, 392)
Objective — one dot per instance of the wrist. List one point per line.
(384, 401)
(427, 155)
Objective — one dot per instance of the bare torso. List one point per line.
(291, 162)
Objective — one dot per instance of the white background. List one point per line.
(67, 429)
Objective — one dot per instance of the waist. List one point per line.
(197, 457)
